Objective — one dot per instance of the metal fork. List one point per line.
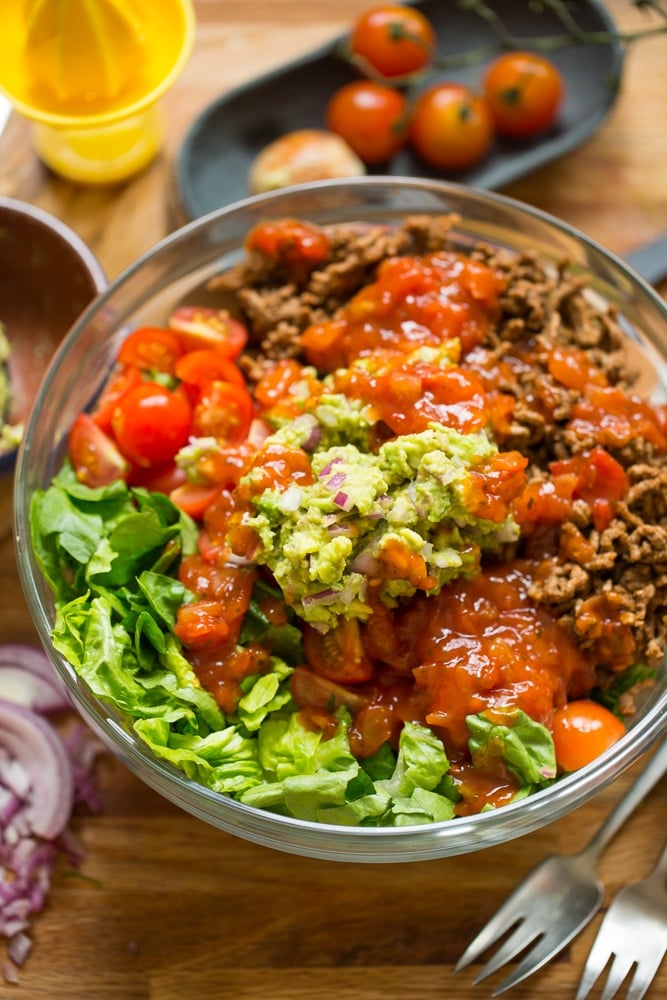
(557, 899)
(634, 932)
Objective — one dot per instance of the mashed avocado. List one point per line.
(10, 434)
(396, 520)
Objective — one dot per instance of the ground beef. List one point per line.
(624, 567)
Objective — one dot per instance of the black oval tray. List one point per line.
(215, 157)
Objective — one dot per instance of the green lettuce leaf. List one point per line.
(525, 747)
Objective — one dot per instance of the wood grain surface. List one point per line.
(165, 907)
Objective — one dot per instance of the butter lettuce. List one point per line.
(509, 735)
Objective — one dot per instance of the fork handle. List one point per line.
(637, 792)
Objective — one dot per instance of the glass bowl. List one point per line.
(177, 270)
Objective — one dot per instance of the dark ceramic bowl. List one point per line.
(47, 277)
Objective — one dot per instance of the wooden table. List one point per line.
(170, 908)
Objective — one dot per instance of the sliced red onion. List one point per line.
(329, 466)
(365, 563)
(336, 481)
(41, 777)
(36, 746)
(22, 687)
(35, 661)
(19, 948)
(344, 501)
(321, 597)
(313, 439)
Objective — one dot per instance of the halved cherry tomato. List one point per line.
(151, 424)
(201, 625)
(309, 690)
(451, 127)
(393, 39)
(159, 478)
(582, 730)
(338, 654)
(225, 412)
(151, 347)
(94, 455)
(206, 365)
(194, 498)
(524, 92)
(201, 326)
(124, 379)
(370, 117)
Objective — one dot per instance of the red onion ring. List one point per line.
(35, 744)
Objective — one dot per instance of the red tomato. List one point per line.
(298, 246)
(225, 412)
(451, 127)
(524, 92)
(205, 365)
(311, 691)
(151, 347)
(151, 424)
(582, 730)
(371, 118)
(124, 379)
(394, 40)
(159, 478)
(201, 625)
(94, 455)
(200, 326)
(193, 498)
(338, 654)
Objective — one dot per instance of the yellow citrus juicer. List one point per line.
(89, 74)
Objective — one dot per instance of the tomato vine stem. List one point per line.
(573, 34)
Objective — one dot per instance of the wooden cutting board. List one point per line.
(165, 907)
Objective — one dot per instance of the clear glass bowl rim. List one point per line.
(341, 843)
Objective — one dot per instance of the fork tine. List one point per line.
(488, 935)
(643, 977)
(503, 920)
(522, 936)
(544, 950)
(620, 967)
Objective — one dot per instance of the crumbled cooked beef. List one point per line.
(610, 589)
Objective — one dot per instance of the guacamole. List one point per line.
(396, 520)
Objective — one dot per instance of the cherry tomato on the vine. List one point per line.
(582, 730)
(370, 117)
(451, 127)
(393, 39)
(151, 424)
(524, 92)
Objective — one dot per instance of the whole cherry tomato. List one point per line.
(394, 40)
(151, 424)
(582, 730)
(524, 92)
(370, 117)
(451, 127)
